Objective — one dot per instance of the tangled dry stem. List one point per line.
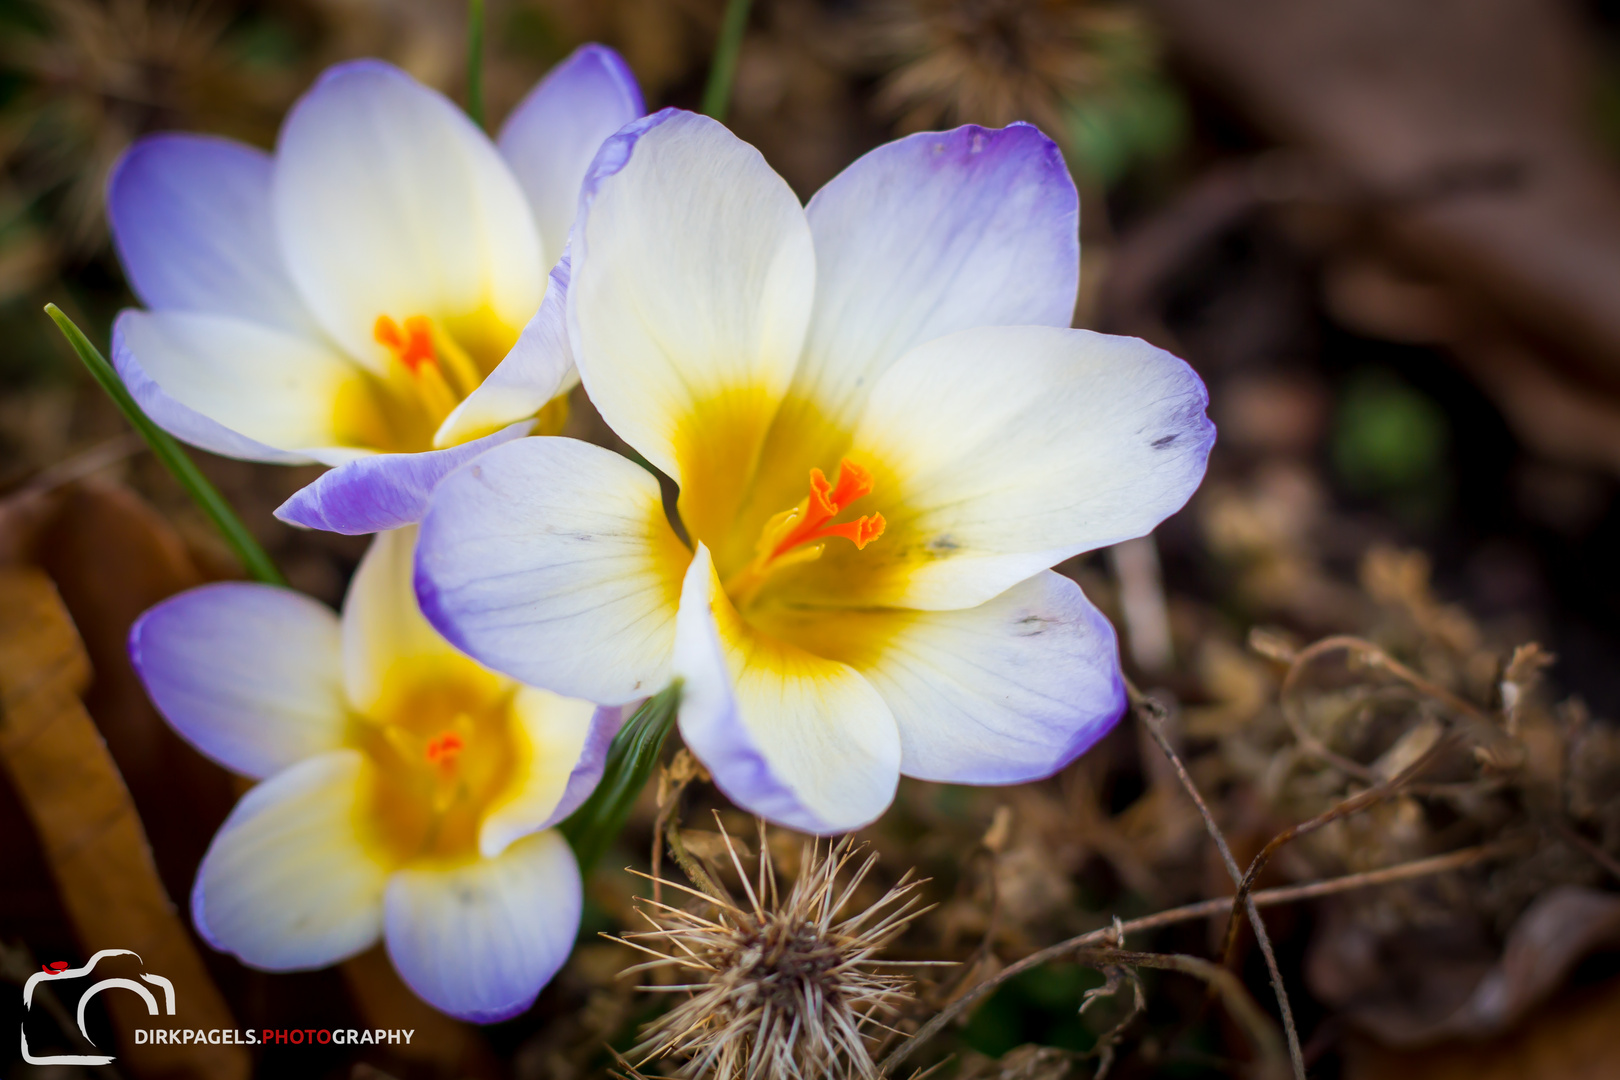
(1152, 717)
(1085, 948)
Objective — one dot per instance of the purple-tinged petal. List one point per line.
(1003, 693)
(552, 560)
(587, 772)
(190, 217)
(1014, 448)
(564, 743)
(385, 491)
(929, 234)
(479, 941)
(551, 136)
(539, 367)
(801, 740)
(248, 674)
(287, 883)
(179, 420)
(692, 280)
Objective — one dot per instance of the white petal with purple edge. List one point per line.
(286, 884)
(539, 367)
(587, 773)
(565, 743)
(384, 632)
(389, 201)
(248, 674)
(237, 388)
(1017, 447)
(552, 560)
(551, 136)
(185, 423)
(385, 491)
(929, 234)
(803, 741)
(1003, 693)
(190, 216)
(479, 941)
(693, 276)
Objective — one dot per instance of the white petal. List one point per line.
(237, 388)
(248, 674)
(383, 628)
(552, 560)
(539, 367)
(480, 940)
(1013, 448)
(389, 201)
(801, 740)
(933, 233)
(190, 215)
(1003, 693)
(693, 276)
(287, 885)
(564, 745)
(551, 136)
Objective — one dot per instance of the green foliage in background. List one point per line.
(1390, 442)
(1134, 116)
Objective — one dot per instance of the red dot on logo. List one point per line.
(54, 966)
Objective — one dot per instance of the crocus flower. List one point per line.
(884, 433)
(370, 297)
(406, 790)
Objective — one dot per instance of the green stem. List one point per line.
(630, 761)
(247, 549)
(475, 61)
(723, 69)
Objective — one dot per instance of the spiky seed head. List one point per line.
(777, 986)
(995, 61)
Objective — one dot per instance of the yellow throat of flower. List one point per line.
(800, 534)
(433, 365)
(440, 748)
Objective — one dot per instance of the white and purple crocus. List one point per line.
(374, 296)
(884, 433)
(406, 791)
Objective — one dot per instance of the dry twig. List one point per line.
(1151, 713)
(1419, 868)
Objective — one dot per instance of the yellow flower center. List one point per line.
(433, 365)
(800, 534)
(441, 748)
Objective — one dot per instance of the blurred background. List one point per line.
(1386, 233)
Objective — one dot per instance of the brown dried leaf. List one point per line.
(1550, 938)
(112, 556)
(89, 831)
(1571, 1038)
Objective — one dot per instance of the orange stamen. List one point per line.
(442, 749)
(413, 346)
(825, 502)
(794, 536)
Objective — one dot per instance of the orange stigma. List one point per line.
(798, 535)
(444, 748)
(809, 521)
(412, 346)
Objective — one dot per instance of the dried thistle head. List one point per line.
(91, 76)
(777, 985)
(995, 61)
